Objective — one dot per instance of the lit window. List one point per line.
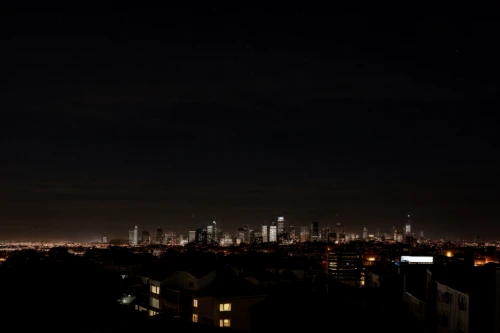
(155, 303)
(152, 313)
(155, 289)
(225, 323)
(195, 318)
(195, 303)
(225, 307)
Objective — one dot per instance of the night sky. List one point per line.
(169, 117)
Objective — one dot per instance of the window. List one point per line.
(225, 322)
(155, 303)
(155, 289)
(225, 307)
(195, 303)
(152, 313)
(195, 318)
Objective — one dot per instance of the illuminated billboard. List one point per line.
(417, 260)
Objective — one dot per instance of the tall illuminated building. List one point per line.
(159, 236)
(192, 236)
(273, 233)
(314, 231)
(291, 233)
(281, 228)
(210, 234)
(133, 236)
(265, 237)
(408, 227)
(365, 233)
(304, 234)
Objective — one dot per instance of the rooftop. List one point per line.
(232, 286)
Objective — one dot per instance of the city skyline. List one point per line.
(356, 229)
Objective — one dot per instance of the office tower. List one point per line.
(281, 228)
(291, 233)
(133, 237)
(105, 240)
(422, 235)
(314, 231)
(251, 236)
(241, 235)
(304, 234)
(145, 237)
(408, 227)
(325, 232)
(170, 238)
(204, 236)
(215, 233)
(265, 238)
(273, 233)
(245, 238)
(192, 236)
(160, 236)
(365, 233)
(210, 234)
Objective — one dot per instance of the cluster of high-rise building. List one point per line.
(279, 231)
(160, 237)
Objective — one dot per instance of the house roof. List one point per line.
(157, 271)
(161, 270)
(231, 286)
(200, 270)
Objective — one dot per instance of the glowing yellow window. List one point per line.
(225, 307)
(225, 323)
(195, 303)
(155, 289)
(195, 318)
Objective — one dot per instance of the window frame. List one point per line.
(224, 307)
(222, 322)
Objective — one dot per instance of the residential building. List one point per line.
(345, 265)
(226, 303)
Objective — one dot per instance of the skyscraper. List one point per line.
(304, 234)
(281, 228)
(273, 233)
(133, 237)
(291, 233)
(160, 236)
(265, 238)
(314, 231)
(192, 236)
(365, 233)
(408, 227)
(145, 237)
(210, 233)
